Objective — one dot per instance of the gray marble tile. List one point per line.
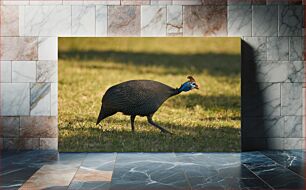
(48, 143)
(46, 71)
(174, 20)
(261, 99)
(23, 71)
(239, 20)
(48, 48)
(9, 127)
(259, 47)
(205, 20)
(293, 127)
(101, 20)
(189, 2)
(278, 48)
(292, 99)
(272, 71)
(296, 48)
(294, 143)
(15, 99)
(123, 20)
(83, 20)
(264, 22)
(256, 127)
(6, 71)
(290, 20)
(153, 20)
(295, 71)
(40, 99)
(161, 2)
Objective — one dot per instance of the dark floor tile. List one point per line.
(271, 172)
(218, 171)
(92, 185)
(147, 171)
(294, 160)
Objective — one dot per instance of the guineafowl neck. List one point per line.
(176, 91)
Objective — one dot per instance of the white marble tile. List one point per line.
(296, 48)
(73, 2)
(46, 2)
(293, 127)
(47, 48)
(174, 20)
(102, 2)
(294, 143)
(23, 71)
(259, 46)
(50, 20)
(46, 71)
(290, 20)
(83, 20)
(239, 20)
(16, 2)
(15, 99)
(153, 20)
(54, 99)
(21, 20)
(101, 20)
(6, 71)
(161, 2)
(291, 99)
(265, 19)
(189, 2)
(278, 48)
(40, 101)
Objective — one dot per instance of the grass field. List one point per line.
(201, 120)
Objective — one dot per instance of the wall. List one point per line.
(272, 59)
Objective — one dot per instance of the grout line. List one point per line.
(115, 161)
(77, 170)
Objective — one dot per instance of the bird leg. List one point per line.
(157, 126)
(132, 122)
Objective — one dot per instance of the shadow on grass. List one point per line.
(215, 64)
(197, 139)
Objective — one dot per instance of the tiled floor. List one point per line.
(123, 171)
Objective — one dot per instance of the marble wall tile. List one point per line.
(259, 47)
(239, 2)
(15, 99)
(292, 99)
(174, 20)
(49, 20)
(135, 2)
(290, 20)
(23, 71)
(257, 127)
(153, 20)
(6, 71)
(161, 2)
(46, 2)
(293, 127)
(214, 2)
(54, 99)
(102, 2)
(48, 143)
(101, 20)
(10, 143)
(123, 20)
(15, 2)
(83, 20)
(189, 2)
(278, 48)
(40, 99)
(9, 21)
(73, 2)
(9, 127)
(47, 48)
(261, 99)
(28, 143)
(46, 71)
(296, 48)
(205, 21)
(278, 71)
(239, 20)
(275, 143)
(18, 48)
(294, 143)
(264, 22)
(38, 126)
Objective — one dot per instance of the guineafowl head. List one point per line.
(189, 85)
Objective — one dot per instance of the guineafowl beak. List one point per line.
(196, 86)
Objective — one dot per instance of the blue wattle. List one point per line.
(185, 87)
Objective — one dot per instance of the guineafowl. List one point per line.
(140, 97)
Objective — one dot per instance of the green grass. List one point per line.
(201, 120)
